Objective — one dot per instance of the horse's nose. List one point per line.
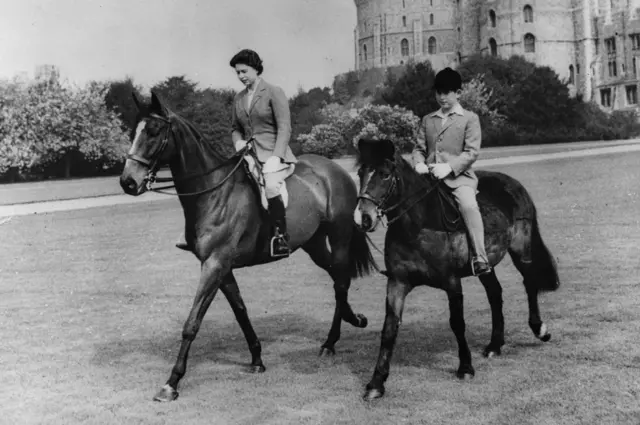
(366, 221)
(128, 185)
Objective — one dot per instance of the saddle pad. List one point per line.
(257, 175)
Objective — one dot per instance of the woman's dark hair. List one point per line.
(247, 57)
(447, 81)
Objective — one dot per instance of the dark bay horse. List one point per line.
(426, 244)
(227, 227)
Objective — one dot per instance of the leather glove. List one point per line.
(274, 163)
(240, 144)
(422, 168)
(440, 171)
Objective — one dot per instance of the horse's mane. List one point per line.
(188, 129)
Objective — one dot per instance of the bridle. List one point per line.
(382, 210)
(154, 162)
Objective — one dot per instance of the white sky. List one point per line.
(302, 42)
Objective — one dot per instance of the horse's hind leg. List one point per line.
(324, 258)
(231, 291)
(521, 259)
(494, 294)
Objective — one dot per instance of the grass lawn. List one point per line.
(93, 303)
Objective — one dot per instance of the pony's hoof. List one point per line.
(543, 335)
(165, 394)
(256, 368)
(373, 393)
(491, 352)
(327, 351)
(362, 321)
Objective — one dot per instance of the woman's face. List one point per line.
(246, 74)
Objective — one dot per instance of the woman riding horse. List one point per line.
(261, 116)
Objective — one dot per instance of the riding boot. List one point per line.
(182, 243)
(279, 245)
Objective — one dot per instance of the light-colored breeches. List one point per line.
(274, 180)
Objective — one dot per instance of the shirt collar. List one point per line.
(457, 109)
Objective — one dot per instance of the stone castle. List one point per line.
(593, 44)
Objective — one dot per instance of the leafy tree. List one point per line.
(413, 90)
(119, 100)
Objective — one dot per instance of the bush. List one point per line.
(325, 140)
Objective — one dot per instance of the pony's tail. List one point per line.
(543, 270)
(361, 261)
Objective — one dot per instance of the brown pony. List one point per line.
(426, 244)
(227, 227)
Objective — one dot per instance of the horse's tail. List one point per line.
(361, 261)
(543, 270)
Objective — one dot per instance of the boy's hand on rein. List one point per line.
(440, 171)
(422, 168)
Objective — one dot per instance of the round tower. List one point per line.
(393, 32)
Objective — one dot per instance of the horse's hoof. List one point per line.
(256, 368)
(327, 352)
(362, 321)
(491, 352)
(373, 393)
(543, 335)
(165, 394)
(466, 373)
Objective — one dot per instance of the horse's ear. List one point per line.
(156, 105)
(136, 100)
(387, 149)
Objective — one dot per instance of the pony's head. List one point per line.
(150, 148)
(378, 181)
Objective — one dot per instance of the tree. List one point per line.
(177, 92)
(119, 100)
(413, 90)
(50, 123)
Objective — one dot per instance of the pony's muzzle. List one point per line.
(133, 178)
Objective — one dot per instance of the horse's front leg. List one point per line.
(456, 320)
(396, 295)
(210, 279)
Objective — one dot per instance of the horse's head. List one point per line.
(150, 148)
(378, 182)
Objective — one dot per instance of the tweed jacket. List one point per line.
(457, 143)
(267, 120)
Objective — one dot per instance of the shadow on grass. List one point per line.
(293, 341)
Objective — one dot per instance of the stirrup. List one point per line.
(281, 240)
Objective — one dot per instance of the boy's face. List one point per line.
(447, 100)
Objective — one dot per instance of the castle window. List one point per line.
(578, 69)
(528, 13)
(492, 18)
(635, 41)
(459, 57)
(610, 46)
(605, 97)
(632, 95)
(431, 3)
(571, 75)
(431, 19)
(404, 47)
(364, 50)
(432, 45)
(612, 66)
(404, 21)
(529, 43)
(403, 5)
(634, 64)
(493, 47)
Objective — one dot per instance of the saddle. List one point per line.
(451, 218)
(253, 169)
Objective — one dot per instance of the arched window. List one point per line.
(528, 13)
(404, 21)
(431, 19)
(492, 18)
(364, 50)
(493, 47)
(571, 75)
(529, 43)
(432, 45)
(404, 47)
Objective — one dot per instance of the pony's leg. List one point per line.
(396, 295)
(231, 291)
(334, 263)
(210, 279)
(456, 320)
(528, 272)
(494, 294)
